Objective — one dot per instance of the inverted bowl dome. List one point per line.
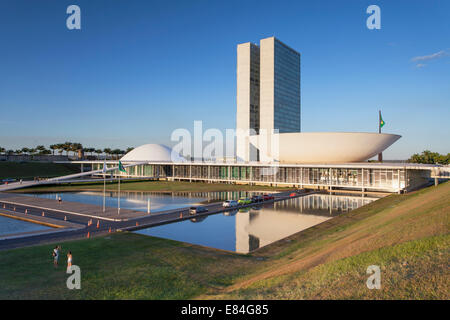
(324, 147)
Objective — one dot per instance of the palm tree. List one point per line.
(41, 149)
(107, 151)
(98, 152)
(74, 148)
(67, 147)
(89, 150)
(60, 147)
(116, 153)
(53, 147)
(77, 149)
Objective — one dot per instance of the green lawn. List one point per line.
(154, 186)
(406, 235)
(120, 266)
(29, 170)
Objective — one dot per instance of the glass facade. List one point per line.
(254, 87)
(286, 88)
(379, 179)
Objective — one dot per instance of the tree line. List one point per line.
(430, 158)
(69, 148)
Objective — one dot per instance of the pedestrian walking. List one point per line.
(55, 255)
(59, 199)
(69, 260)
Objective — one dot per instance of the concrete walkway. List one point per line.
(136, 220)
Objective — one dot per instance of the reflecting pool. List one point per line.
(11, 226)
(140, 201)
(246, 230)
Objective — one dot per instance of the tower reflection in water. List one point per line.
(245, 230)
(270, 223)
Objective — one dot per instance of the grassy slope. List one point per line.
(407, 235)
(29, 170)
(155, 186)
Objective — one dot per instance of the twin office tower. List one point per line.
(268, 92)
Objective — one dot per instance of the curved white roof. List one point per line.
(152, 153)
(325, 147)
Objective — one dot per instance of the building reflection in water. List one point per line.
(138, 200)
(247, 229)
(240, 230)
(262, 226)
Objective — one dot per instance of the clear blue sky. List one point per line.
(139, 69)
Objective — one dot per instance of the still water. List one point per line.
(240, 231)
(139, 200)
(246, 230)
(10, 226)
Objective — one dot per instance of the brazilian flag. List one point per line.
(382, 123)
(121, 168)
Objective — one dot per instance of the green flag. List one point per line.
(121, 168)
(382, 123)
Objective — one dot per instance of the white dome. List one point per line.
(153, 152)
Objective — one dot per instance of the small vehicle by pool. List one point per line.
(198, 209)
(229, 203)
(256, 199)
(244, 200)
(268, 197)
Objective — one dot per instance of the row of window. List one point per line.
(356, 177)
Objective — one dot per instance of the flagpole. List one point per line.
(118, 199)
(121, 168)
(379, 121)
(104, 184)
(380, 155)
(104, 190)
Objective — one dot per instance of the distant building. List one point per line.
(268, 92)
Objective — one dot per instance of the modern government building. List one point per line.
(268, 104)
(268, 92)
